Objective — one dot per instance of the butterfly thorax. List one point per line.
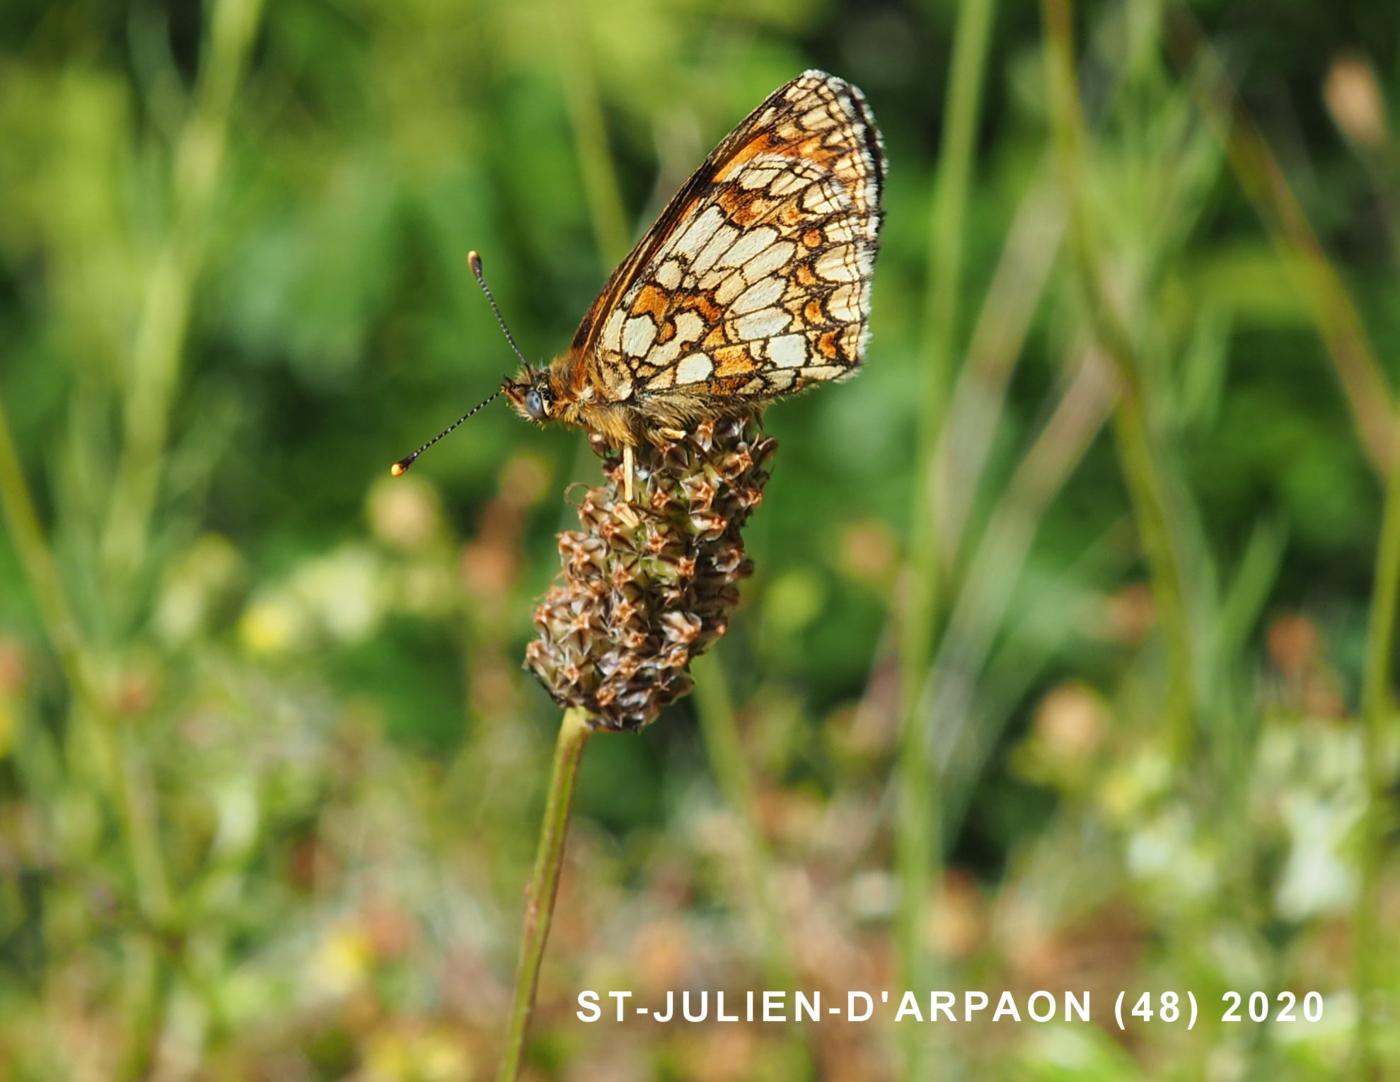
(565, 392)
(562, 391)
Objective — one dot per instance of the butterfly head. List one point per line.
(531, 394)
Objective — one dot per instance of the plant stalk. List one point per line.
(574, 731)
(720, 731)
(161, 331)
(110, 745)
(1321, 288)
(1377, 709)
(1137, 450)
(916, 827)
(606, 209)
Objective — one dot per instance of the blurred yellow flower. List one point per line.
(342, 963)
(9, 725)
(272, 624)
(430, 1056)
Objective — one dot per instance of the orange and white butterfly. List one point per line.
(753, 283)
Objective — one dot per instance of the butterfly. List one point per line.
(753, 284)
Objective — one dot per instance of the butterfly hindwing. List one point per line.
(755, 280)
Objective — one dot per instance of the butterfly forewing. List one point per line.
(755, 281)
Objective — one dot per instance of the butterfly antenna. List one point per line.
(399, 468)
(474, 261)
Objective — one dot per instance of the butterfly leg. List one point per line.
(627, 464)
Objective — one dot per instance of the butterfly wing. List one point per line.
(755, 280)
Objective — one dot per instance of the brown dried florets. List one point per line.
(648, 586)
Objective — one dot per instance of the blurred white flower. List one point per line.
(342, 590)
(1169, 852)
(1317, 877)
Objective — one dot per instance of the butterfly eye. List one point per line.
(534, 404)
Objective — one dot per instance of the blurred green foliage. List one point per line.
(269, 770)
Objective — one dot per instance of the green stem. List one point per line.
(952, 183)
(134, 815)
(1140, 458)
(574, 732)
(94, 722)
(720, 731)
(916, 828)
(1377, 710)
(165, 312)
(600, 185)
(36, 558)
(1321, 288)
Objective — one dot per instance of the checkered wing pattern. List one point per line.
(755, 280)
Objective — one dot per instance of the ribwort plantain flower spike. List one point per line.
(647, 586)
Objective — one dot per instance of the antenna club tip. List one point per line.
(398, 469)
(474, 261)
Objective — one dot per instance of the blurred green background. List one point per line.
(1114, 715)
